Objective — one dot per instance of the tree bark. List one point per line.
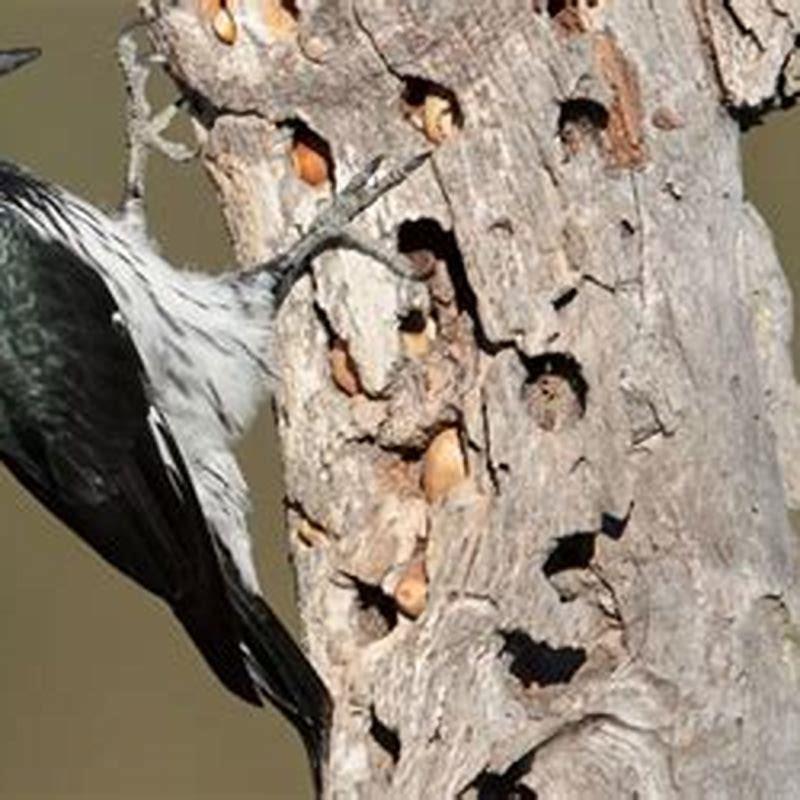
(540, 534)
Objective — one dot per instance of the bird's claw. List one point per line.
(329, 229)
(363, 177)
(144, 129)
(175, 151)
(364, 189)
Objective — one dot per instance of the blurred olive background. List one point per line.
(101, 694)
(772, 179)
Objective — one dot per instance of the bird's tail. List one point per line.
(281, 671)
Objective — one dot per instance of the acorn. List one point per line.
(281, 22)
(438, 120)
(343, 369)
(411, 592)
(309, 164)
(309, 534)
(444, 465)
(417, 344)
(209, 8)
(225, 26)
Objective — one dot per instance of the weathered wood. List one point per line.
(599, 540)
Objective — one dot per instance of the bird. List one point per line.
(124, 384)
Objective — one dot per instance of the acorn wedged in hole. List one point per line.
(225, 26)
(310, 165)
(343, 368)
(280, 19)
(417, 339)
(444, 465)
(438, 118)
(411, 592)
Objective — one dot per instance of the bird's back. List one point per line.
(52, 309)
(78, 429)
(84, 317)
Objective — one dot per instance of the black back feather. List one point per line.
(78, 429)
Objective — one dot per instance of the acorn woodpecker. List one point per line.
(124, 384)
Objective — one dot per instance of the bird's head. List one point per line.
(12, 59)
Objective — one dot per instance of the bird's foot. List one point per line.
(144, 128)
(364, 189)
(328, 230)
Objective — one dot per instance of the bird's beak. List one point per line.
(11, 59)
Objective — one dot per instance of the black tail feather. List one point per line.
(281, 670)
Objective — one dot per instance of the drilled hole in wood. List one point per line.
(507, 785)
(386, 737)
(491, 786)
(538, 662)
(312, 159)
(564, 299)
(613, 526)
(577, 550)
(376, 611)
(574, 551)
(555, 390)
(555, 7)
(424, 241)
(427, 235)
(579, 119)
(582, 120)
(413, 322)
(432, 108)
(567, 15)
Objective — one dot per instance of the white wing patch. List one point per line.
(159, 429)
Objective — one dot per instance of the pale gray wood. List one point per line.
(677, 642)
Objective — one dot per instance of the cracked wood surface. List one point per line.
(540, 536)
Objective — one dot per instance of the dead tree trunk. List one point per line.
(540, 533)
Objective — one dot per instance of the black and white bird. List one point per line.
(124, 384)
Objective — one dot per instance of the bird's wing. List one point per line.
(79, 430)
(281, 670)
